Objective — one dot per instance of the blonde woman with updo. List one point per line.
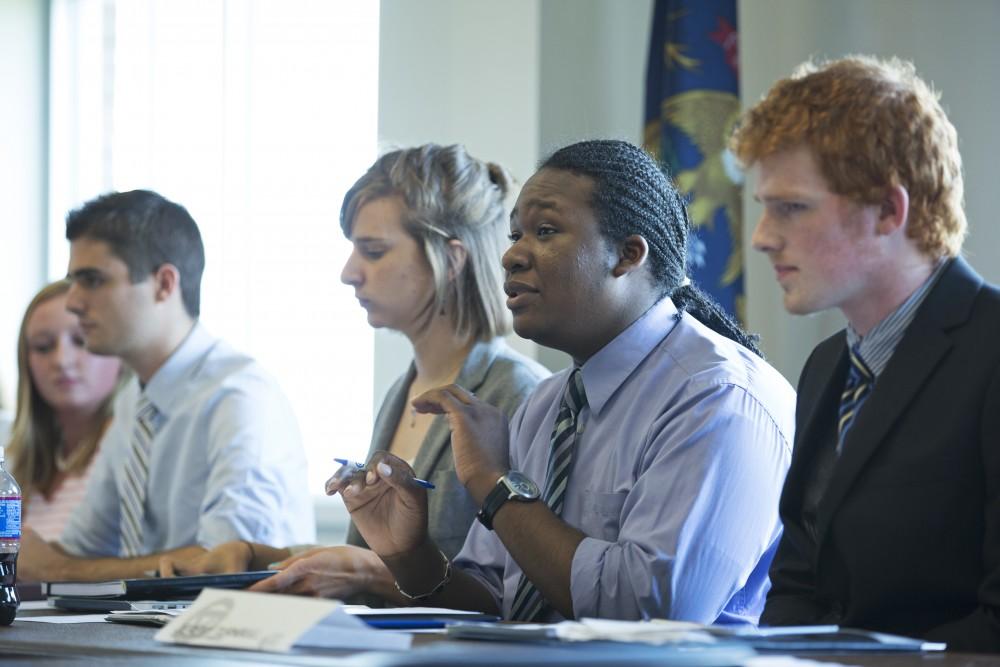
(64, 400)
(428, 226)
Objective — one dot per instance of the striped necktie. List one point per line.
(859, 385)
(528, 603)
(133, 499)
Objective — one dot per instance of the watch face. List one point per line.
(521, 485)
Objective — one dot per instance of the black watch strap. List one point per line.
(494, 501)
(511, 486)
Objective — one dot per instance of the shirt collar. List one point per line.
(169, 382)
(877, 346)
(607, 370)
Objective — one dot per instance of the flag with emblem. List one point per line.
(692, 103)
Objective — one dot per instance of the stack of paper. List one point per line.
(652, 632)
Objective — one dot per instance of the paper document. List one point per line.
(415, 618)
(268, 622)
(334, 632)
(647, 632)
(63, 618)
(365, 610)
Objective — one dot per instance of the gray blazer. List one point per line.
(496, 374)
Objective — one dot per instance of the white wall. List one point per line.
(23, 64)
(453, 71)
(593, 70)
(592, 76)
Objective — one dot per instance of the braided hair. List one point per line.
(632, 195)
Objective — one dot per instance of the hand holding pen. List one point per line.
(387, 505)
(353, 467)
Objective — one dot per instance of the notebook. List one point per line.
(154, 617)
(153, 588)
(832, 638)
(824, 638)
(106, 605)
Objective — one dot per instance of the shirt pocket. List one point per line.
(602, 513)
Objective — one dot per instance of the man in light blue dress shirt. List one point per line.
(670, 506)
(222, 457)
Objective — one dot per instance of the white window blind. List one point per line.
(256, 115)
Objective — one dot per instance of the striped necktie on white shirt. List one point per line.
(133, 499)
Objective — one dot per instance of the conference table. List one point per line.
(78, 644)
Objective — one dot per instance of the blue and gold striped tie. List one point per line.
(133, 499)
(859, 385)
(528, 602)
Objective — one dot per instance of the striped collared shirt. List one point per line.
(877, 347)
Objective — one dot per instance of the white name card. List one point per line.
(266, 622)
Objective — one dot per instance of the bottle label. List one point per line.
(10, 518)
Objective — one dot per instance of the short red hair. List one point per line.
(871, 124)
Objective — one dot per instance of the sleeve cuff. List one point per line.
(585, 577)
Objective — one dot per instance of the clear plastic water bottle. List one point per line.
(10, 542)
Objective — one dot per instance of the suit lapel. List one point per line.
(924, 345)
(438, 436)
(830, 367)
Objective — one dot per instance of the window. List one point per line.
(256, 115)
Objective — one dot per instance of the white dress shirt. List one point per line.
(226, 464)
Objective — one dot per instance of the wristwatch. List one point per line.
(511, 486)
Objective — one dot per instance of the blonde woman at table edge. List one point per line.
(428, 226)
(64, 398)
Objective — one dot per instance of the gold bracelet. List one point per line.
(253, 554)
(434, 591)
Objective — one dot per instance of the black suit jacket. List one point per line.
(907, 533)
